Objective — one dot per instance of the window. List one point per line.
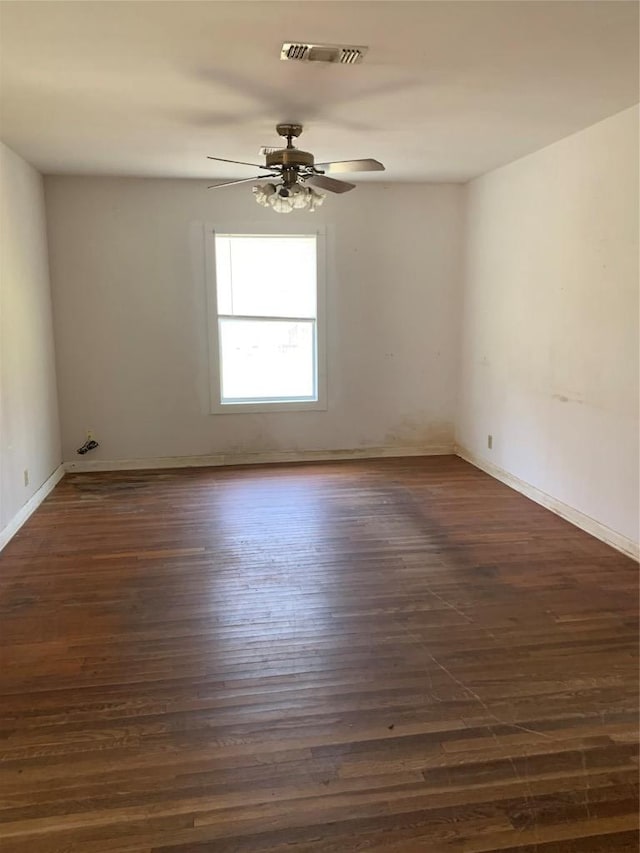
(265, 336)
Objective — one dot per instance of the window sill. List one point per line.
(262, 408)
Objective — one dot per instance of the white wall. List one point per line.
(29, 428)
(129, 297)
(550, 322)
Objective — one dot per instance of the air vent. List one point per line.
(340, 53)
(269, 149)
(294, 51)
(351, 55)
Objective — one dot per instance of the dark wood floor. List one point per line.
(402, 656)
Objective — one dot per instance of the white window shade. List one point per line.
(266, 276)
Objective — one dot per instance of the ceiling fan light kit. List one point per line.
(297, 174)
(297, 198)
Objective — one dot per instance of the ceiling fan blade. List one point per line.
(238, 162)
(242, 181)
(352, 166)
(330, 184)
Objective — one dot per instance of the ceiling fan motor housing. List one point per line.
(289, 157)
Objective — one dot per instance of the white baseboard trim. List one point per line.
(584, 522)
(8, 532)
(257, 458)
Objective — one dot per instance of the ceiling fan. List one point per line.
(297, 175)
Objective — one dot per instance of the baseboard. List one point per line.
(31, 506)
(584, 522)
(257, 458)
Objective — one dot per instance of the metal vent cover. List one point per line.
(341, 53)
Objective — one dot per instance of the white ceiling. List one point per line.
(447, 91)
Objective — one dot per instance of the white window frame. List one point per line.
(217, 407)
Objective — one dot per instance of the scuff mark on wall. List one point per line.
(564, 399)
(419, 431)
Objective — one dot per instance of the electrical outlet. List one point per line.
(26, 476)
(490, 442)
(89, 435)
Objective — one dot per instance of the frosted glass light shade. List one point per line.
(263, 193)
(281, 204)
